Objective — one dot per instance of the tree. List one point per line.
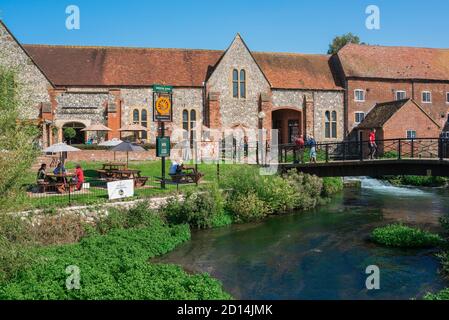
(340, 41)
(69, 134)
(17, 151)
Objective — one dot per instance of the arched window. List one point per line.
(136, 116)
(235, 83)
(334, 124)
(327, 124)
(242, 83)
(144, 122)
(185, 123)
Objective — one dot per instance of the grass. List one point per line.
(399, 235)
(150, 169)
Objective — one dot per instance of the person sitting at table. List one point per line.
(176, 168)
(79, 177)
(60, 169)
(41, 173)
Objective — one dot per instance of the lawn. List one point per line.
(98, 193)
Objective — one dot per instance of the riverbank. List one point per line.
(111, 254)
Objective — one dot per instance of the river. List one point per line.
(323, 254)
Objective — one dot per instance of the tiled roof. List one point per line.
(297, 71)
(382, 112)
(368, 61)
(108, 66)
(113, 66)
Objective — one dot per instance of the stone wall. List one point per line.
(32, 83)
(105, 156)
(183, 98)
(238, 111)
(328, 101)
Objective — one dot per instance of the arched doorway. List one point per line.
(80, 136)
(288, 122)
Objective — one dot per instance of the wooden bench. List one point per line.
(60, 187)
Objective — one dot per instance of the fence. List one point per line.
(417, 148)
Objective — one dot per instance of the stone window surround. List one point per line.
(239, 83)
(333, 121)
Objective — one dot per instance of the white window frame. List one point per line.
(355, 116)
(407, 132)
(422, 96)
(445, 134)
(355, 95)
(400, 91)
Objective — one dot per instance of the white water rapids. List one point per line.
(387, 188)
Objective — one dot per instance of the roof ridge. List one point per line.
(294, 53)
(115, 47)
(392, 46)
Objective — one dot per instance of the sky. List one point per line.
(276, 25)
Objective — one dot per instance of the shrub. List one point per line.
(201, 209)
(247, 207)
(307, 189)
(69, 133)
(58, 230)
(138, 216)
(442, 295)
(13, 258)
(331, 186)
(398, 235)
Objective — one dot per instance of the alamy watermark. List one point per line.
(372, 22)
(73, 21)
(373, 280)
(73, 281)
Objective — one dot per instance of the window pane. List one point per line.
(136, 116)
(334, 116)
(327, 130)
(334, 129)
(185, 120)
(144, 116)
(193, 115)
(242, 89)
(235, 75)
(235, 89)
(447, 97)
(327, 116)
(242, 75)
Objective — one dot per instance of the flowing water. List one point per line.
(323, 254)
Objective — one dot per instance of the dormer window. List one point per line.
(239, 83)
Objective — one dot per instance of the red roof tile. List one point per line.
(109, 66)
(394, 62)
(297, 71)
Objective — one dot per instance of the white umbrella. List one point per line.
(111, 143)
(60, 148)
(97, 128)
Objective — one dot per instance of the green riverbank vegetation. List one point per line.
(402, 236)
(113, 255)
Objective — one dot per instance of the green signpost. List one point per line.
(162, 147)
(162, 112)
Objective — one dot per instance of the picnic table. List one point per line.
(122, 174)
(114, 166)
(58, 182)
(189, 175)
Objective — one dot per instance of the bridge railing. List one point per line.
(402, 148)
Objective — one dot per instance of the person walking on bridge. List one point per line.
(372, 144)
(311, 142)
(299, 142)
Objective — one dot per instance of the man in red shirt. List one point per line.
(299, 142)
(372, 144)
(79, 177)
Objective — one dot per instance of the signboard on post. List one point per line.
(163, 147)
(162, 103)
(120, 189)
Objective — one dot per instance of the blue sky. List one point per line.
(276, 25)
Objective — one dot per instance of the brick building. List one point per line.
(388, 119)
(375, 74)
(321, 95)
